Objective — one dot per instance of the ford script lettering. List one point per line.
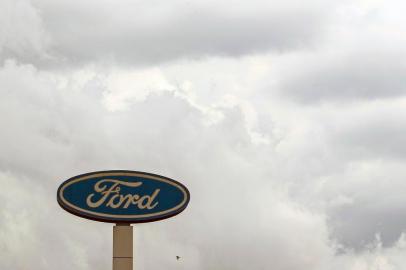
(123, 196)
(121, 200)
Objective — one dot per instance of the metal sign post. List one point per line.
(123, 197)
(122, 247)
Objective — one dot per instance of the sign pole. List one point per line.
(123, 246)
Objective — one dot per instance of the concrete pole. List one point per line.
(123, 247)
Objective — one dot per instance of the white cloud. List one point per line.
(22, 33)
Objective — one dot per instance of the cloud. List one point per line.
(375, 257)
(140, 33)
(370, 131)
(22, 33)
(345, 76)
(357, 60)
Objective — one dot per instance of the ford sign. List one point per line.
(123, 196)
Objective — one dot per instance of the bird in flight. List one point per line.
(177, 258)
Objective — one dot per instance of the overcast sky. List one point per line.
(285, 119)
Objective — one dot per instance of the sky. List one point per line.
(285, 120)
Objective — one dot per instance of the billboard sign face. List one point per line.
(120, 196)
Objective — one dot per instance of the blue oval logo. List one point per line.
(123, 196)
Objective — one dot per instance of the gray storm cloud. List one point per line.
(284, 120)
(142, 33)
